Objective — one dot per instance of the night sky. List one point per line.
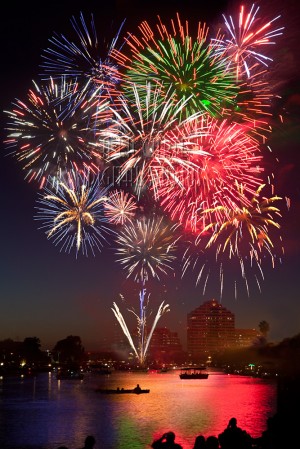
(51, 294)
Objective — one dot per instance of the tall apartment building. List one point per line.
(210, 329)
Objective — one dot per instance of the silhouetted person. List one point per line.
(167, 441)
(212, 442)
(137, 389)
(267, 437)
(281, 432)
(199, 442)
(89, 442)
(234, 437)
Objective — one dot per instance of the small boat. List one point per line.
(69, 375)
(97, 368)
(193, 373)
(163, 369)
(122, 391)
(102, 371)
(139, 370)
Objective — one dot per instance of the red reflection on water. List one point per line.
(193, 407)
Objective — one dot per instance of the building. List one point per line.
(210, 330)
(165, 346)
(244, 338)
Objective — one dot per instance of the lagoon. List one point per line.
(42, 412)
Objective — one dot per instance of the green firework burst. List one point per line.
(187, 67)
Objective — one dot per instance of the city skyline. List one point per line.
(51, 294)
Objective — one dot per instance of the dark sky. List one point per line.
(50, 294)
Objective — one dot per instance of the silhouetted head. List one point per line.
(199, 442)
(232, 422)
(89, 442)
(170, 437)
(212, 442)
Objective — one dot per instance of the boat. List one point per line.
(122, 391)
(193, 373)
(163, 369)
(103, 371)
(69, 375)
(97, 368)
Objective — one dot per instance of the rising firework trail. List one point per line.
(141, 350)
(145, 249)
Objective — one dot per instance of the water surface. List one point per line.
(44, 413)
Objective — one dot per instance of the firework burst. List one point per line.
(246, 37)
(221, 157)
(242, 222)
(83, 59)
(242, 236)
(244, 40)
(120, 207)
(146, 248)
(140, 137)
(175, 112)
(187, 67)
(73, 214)
(50, 135)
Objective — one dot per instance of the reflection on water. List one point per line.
(45, 413)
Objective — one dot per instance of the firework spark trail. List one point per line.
(221, 157)
(73, 214)
(49, 136)
(187, 67)
(83, 59)
(124, 327)
(144, 342)
(163, 308)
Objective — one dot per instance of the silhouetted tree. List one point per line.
(10, 350)
(264, 328)
(31, 350)
(69, 350)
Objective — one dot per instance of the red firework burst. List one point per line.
(221, 157)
